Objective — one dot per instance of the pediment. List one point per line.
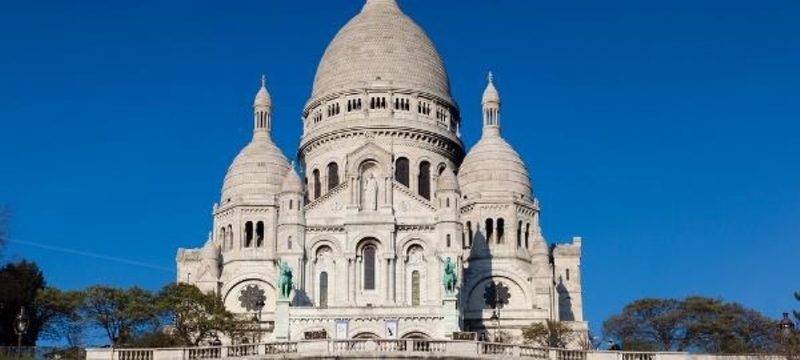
(332, 204)
(369, 152)
(407, 203)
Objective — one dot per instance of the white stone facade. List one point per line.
(380, 208)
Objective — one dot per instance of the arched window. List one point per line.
(448, 240)
(229, 235)
(447, 202)
(290, 204)
(289, 243)
(317, 184)
(323, 289)
(527, 234)
(305, 190)
(469, 233)
(500, 230)
(260, 234)
(415, 288)
(221, 238)
(333, 175)
(424, 178)
(567, 271)
(401, 171)
(248, 234)
(369, 267)
(519, 234)
(489, 231)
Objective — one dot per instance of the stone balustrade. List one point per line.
(391, 349)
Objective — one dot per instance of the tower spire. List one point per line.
(262, 108)
(491, 107)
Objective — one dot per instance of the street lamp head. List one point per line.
(494, 316)
(786, 325)
(21, 322)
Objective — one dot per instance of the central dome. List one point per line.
(381, 43)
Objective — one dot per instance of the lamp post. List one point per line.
(495, 318)
(496, 296)
(257, 320)
(786, 326)
(20, 328)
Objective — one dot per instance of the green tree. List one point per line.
(648, 325)
(797, 313)
(3, 227)
(121, 313)
(693, 324)
(19, 284)
(550, 333)
(58, 312)
(194, 316)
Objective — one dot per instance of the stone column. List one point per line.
(388, 279)
(393, 281)
(402, 271)
(350, 281)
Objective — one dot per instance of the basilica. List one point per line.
(388, 226)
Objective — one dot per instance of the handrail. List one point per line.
(384, 348)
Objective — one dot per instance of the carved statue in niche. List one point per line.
(370, 192)
(415, 255)
(324, 254)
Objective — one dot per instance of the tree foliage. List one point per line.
(121, 313)
(797, 313)
(58, 311)
(692, 324)
(19, 284)
(3, 227)
(550, 333)
(195, 316)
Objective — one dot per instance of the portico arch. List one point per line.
(366, 335)
(417, 335)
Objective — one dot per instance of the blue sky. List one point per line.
(663, 132)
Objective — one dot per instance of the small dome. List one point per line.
(257, 172)
(493, 168)
(291, 182)
(447, 181)
(262, 96)
(381, 43)
(490, 94)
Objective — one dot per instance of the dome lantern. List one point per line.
(491, 106)
(262, 108)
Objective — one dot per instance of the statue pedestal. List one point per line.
(281, 332)
(450, 314)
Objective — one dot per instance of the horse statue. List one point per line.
(284, 280)
(449, 278)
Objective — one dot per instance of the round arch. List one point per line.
(233, 283)
(413, 239)
(366, 335)
(515, 288)
(367, 237)
(416, 335)
(322, 240)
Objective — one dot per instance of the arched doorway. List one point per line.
(366, 335)
(416, 335)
